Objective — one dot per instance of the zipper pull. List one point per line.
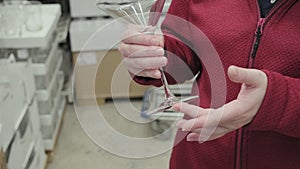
(258, 34)
(260, 25)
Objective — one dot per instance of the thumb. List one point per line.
(252, 77)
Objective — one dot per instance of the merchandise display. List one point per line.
(31, 82)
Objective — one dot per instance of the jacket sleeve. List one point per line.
(280, 110)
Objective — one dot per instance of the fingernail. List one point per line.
(160, 51)
(233, 70)
(157, 75)
(190, 139)
(176, 107)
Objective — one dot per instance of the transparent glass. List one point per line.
(12, 18)
(145, 13)
(33, 14)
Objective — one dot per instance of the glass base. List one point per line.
(168, 103)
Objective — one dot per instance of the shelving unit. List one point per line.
(21, 124)
(27, 83)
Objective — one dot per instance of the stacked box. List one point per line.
(19, 115)
(45, 67)
(37, 158)
(14, 100)
(28, 62)
(46, 98)
(51, 121)
(24, 140)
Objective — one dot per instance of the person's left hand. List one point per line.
(236, 113)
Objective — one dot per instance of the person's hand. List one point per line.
(236, 113)
(143, 53)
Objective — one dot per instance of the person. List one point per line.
(258, 43)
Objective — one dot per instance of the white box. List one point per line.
(47, 98)
(87, 8)
(44, 72)
(36, 158)
(13, 103)
(22, 72)
(48, 120)
(21, 143)
(26, 74)
(95, 34)
(27, 137)
(35, 117)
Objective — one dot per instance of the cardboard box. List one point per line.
(101, 75)
(2, 160)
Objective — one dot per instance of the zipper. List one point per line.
(238, 144)
(255, 45)
(259, 30)
(258, 34)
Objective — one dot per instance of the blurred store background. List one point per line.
(41, 44)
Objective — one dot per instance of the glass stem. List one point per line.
(164, 81)
(163, 78)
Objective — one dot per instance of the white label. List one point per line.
(88, 58)
(22, 53)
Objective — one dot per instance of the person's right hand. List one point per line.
(143, 53)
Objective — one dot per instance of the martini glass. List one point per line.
(146, 14)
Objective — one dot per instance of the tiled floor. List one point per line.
(75, 150)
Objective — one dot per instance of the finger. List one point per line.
(134, 37)
(147, 73)
(145, 63)
(201, 135)
(193, 124)
(252, 77)
(219, 132)
(129, 50)
(190, 110)
(180, 123)
(231, 112)
(193, 137)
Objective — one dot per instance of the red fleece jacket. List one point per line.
(272, 139)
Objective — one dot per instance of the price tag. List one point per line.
(87, 58)
(22, 53)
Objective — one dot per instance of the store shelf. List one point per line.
(50, 16)
(45, 94)
(50, 143)
(47, 98)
